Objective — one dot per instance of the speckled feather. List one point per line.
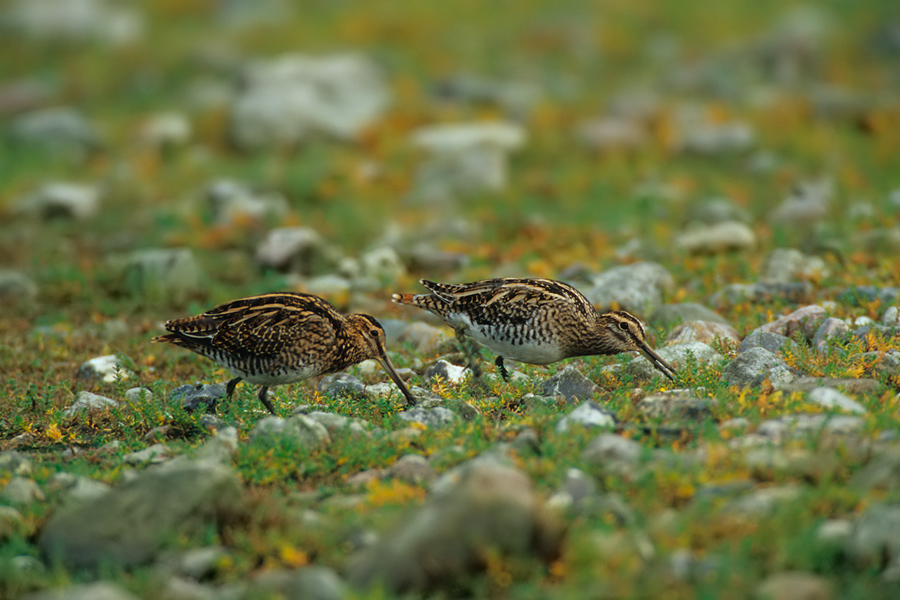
(535, 321)
(280, 338)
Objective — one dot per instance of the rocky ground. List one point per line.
(731, 178)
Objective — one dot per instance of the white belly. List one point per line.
(517, 348)
(277, 378)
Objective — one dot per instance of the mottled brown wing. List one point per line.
(260, 325)
(510, 300)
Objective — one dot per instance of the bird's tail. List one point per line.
(404, 299)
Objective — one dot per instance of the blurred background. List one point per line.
(177, 153)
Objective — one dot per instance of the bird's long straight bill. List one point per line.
(657, 361)
(392, 372)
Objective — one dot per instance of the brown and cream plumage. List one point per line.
(534, 321)
(281, 338)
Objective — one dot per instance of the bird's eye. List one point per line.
(374, 332)
(623, 325)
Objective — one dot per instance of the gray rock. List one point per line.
(131, 523)
(667, 316)
(21, 491)
(678, 406)
(755, 366)
(773, 342)
(14, 463)
(514, 97)
(577, 490)
(436, 417)
(891, 317)
(570, 384)
(90, 404)
(165, 130)
(413, 469)
(424, 257)
(735, 425)
(875, 538)
(679, 356)
(60, 200)
(382, 265)
(737, 293)
(480, 504)
(587, 414)
(806, 204)
(638, 287)
(342, 385)
(706, 332)
(287, 99)
(805, 320)
(198, 396)
(849, 385)
(884, 363)
(786, 265)
(612, 454)
(714, 139)
(138, 395)
(341, 425)
(869, 293)
(716, 210)
(221, 447)
(424, 338)
(62, 22)
(685, 566)
(330, 286)
(11, 523)
(793, 585)
(308, 583)
(76, 488)
(155, 454)
(100, 590)
(235, 202)
(834, 531)
(196, 563)
(108, 369)
(298, 250)
(716, 238)
(300, 429)
(171, 274)
(882, 473)
(831, 329)
(448, 174)
(805, 426)
(61, 131)
(16, 286)
(763, 502)
(179, 588)
(612, 134)
(827, 397)
(447, 372)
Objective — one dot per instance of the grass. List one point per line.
(564, 205)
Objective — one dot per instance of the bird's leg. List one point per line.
(263, 397)
(229, 389)
(503, 372)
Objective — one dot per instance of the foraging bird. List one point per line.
(280, 338)
(534, 321)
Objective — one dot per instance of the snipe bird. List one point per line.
(280, 338)
(534, 321)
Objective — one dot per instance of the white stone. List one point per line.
(832, 398)
(463, 137)
(287, 98)
(61, 199)
(717, 237)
